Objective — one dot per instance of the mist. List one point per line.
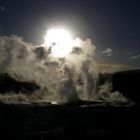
(61, 80)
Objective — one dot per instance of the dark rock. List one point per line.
(29, 122)
(9, 84)
(126, 82)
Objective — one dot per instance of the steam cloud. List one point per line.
(135, 57)
(108, 52)
(61, 79)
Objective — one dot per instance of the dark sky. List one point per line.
(113, 24)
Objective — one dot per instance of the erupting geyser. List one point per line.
(63, 67)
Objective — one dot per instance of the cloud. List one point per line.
(135, 57)
(130, 52)
(108, 52)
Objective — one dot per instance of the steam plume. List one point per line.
(61, 79)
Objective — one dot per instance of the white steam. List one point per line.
(108, 52)
(61, 79)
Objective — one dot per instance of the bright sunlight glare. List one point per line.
(59, 41)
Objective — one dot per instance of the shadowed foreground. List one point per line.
(88, 120)
(80, 120)
(10, 85)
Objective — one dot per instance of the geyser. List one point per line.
(62, 67)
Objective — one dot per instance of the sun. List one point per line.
(59, 41)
